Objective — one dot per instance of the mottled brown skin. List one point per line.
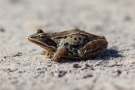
(71, 44)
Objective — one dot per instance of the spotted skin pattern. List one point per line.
(71, 44)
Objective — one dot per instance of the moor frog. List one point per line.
(70, 44)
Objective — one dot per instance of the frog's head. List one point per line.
(40, 38)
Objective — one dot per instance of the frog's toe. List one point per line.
(45, 53)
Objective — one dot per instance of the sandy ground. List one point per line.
(22, 67)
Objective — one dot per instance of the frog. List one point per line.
(74, 44)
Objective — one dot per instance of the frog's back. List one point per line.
(73, 43)
(60, 35)
(63, 33)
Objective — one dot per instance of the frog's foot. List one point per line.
(59, 53)
(46, 53)
(93, 48)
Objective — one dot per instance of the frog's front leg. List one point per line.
(93, 48)
(47, 53)
(59, 53)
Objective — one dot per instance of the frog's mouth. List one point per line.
(41, 44)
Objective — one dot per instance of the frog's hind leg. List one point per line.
(93, 49)
(59, 53)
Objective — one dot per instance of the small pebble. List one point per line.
(119, 72)
(87, 76)
(39, 69)
(87, 66)
(76, 66)
(61, 73)
(2, 30)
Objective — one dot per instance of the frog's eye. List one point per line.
(41, 36)
(40, 31)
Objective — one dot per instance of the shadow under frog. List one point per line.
(108, 54)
